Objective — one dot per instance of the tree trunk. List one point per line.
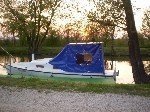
(138, 71)
(112, 48)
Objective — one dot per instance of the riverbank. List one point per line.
(58, 85)
(14, 99)
(52, 51)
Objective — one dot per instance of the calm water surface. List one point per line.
(124, 67)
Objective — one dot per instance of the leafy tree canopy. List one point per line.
(146, 24)
(30, 19)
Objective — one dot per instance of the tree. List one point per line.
(73, 20)
(92, 30)
(67, 32)
(146, 24)
(53, 39)
(109, 14)
(138, 71)
(32, 19)
(96, 33)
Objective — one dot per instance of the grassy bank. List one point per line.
(36, 83)
(52, 51)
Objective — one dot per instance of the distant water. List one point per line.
(124, 67)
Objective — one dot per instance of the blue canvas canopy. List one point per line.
(80, 58)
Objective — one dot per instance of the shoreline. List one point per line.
(14, 99)
(53, 51)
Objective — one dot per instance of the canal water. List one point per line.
(123, 65)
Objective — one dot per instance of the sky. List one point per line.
(138, 5)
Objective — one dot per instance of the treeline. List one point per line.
(60, 42)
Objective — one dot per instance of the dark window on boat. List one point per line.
(83, 58)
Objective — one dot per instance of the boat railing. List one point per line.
(10, 58)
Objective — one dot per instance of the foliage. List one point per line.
(139, 74)
(30, 20)
(53, 51)
(146, 24)
(52, 40)
(109, 15)
(143, 41)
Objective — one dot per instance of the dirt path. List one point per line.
(27, 100)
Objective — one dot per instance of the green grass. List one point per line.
(85, 80)
(57, 85)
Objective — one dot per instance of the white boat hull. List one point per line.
(44, 69)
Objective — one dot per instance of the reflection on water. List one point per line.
(5, 60)
(125, 71)
(2, 70)
(124, 67)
